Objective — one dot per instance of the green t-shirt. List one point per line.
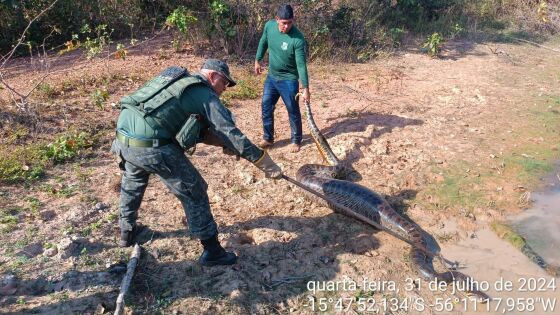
(197, 99)
(286, 53)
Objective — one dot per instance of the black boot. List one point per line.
(214, 254)
(127, 237)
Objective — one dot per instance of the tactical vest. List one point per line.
(158, 101)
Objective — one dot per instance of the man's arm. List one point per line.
(301, 64)
(263, 46)
(222, 126)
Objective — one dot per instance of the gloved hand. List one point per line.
(267, 165)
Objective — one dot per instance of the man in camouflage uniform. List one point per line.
(157, 123)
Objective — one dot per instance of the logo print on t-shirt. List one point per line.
(284, 46)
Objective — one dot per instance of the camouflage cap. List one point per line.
(221, 67)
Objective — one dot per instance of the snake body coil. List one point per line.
(369, 207)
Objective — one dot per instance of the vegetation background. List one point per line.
(349, 29)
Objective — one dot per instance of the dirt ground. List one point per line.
(400, 121)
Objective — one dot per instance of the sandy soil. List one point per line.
(395, 121)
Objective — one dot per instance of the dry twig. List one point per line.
(533, 43)
(125, 284)
(22, 37)
(6, 58)
(368, 98)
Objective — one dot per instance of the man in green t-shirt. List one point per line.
(286, 55)
(157, 123)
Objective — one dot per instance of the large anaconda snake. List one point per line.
(369, 207)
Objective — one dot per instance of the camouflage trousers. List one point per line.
(179, 175)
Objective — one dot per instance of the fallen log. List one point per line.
(125, 284)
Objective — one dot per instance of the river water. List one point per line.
(491, 259)
(540, 225)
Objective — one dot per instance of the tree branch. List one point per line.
(8, 56)
(24, 32)
(134, 258)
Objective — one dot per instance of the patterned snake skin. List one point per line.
(369, 207)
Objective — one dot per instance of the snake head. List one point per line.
(343, 171)
(339, 172)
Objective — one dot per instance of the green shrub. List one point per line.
(33, 205)
(58, 190)
(246, 89)
(9, 219)
(456, 30)
(121, 51)
(183, 20)
(366, 55)
(96, 39)
(21, 163)
(17, 133)
(27, 163)
(99, 97)
(432, 45)
(46, 91)
(66, 147)
(224, 23)
(397, 34)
